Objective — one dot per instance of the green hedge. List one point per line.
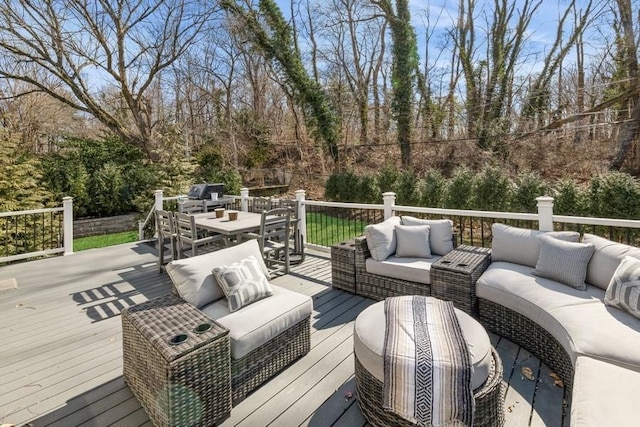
(610, 195)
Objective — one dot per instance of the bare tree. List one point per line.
(631, 128)
(77, 50)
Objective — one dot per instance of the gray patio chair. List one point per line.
(261, 204)
(166, 233)
(275, 231)
(189, 239)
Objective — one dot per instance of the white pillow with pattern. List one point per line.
(623, 291)
(243, 282)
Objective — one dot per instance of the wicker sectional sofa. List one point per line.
(265, 336)
(592, 346)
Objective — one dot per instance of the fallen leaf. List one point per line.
(19, 305)
(557, 381)
(510, 409)
(348, 395)
(528, 373)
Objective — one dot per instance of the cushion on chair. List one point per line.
(258, 323)
(381, 238)
(193, 279)
(565, 262)
(624, 289)
(440, 234)
(521, 245)
(606, 259)
(242, 282)
(404, 268)
(368, 340)
(413, 241)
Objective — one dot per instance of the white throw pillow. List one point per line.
(381, 238)
(564, 262)
(521, 245)
(242, 282)
(623, 291)
(413, 241)
(440, 235)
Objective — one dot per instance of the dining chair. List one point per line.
(190, 240)
(274, 235)
(192, 207)
(166, 233)
(261, 204)
(295, 235)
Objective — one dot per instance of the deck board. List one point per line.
(62, 353)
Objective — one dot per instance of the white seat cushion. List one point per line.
(604, 394)
(603, 332)
(256, 324)
(513, 286)
(404, 268)
(368, 339)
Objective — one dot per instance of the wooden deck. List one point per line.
(61, 353)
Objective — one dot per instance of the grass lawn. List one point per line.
(91, 242)
(327, 230)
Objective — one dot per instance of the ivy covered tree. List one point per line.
(405, 64)
(270, 33)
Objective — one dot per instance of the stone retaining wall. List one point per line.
(97, 226)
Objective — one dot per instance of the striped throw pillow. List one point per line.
(624, 289)
(564, 262)
(242, 282)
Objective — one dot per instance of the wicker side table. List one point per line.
(454, 276)
(343, 266)
(177, 384)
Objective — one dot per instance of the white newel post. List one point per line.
(545, 213)
(67, 227)
(158, 200)
(302, 215)
(244, 199)
(389, 199)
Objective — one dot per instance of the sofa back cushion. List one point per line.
(381, 238)
(193, 277)
(521, 245)
(606, 259)
(440, 233)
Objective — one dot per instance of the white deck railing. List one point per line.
(544, 217)
(63, 236)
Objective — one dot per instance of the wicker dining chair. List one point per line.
(188, 237)
(165, 233)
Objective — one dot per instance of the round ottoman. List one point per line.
(368, 339)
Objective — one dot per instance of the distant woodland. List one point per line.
(320, 87)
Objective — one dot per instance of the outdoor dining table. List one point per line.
(247, 222)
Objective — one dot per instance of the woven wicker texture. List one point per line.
(269, 359)
(184, 384)
(528, 334)
(343, 268)
(489, 399)
(454, 276)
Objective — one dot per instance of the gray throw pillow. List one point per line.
(381, 238)
(413, 241)
(564, 262)
(521, 245)
(623, 291)
(242, 282)
(440, 235)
